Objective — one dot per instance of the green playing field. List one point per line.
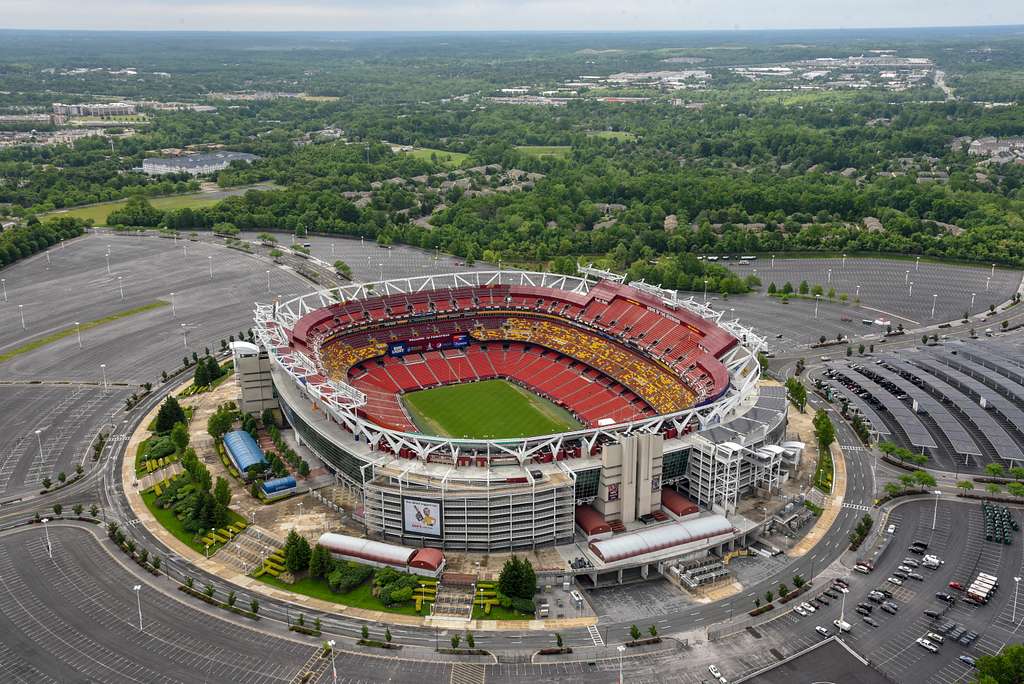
(487, 409)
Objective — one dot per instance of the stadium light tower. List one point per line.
(935, 513)
(773, 262)
(108, 260)
(1016, 588)
(857, 294)
(185, 246)
(184, 335)
(844, 260)
(39, 440)
(138, 597)
(993, 274)
(621, 649)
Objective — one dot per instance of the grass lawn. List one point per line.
(166, 517)
(824, 473)
(360, 597)
(100, 212)
(491, 408)
(621, 136)
(450, 159)
(557, 151)
(61, 334)
(499, 613)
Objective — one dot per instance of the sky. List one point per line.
(456, 15)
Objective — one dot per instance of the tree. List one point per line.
(993, 488)
(965, 485)
(319, 561)
(62, 477)
(296, 553)
(860, 349)
(653, 631)
(387, 634)
(783, 590)
(558, 640)
(757, 602)
(47, 483)
(179, 435)
(1005, 668)
(222, 492)
(517, 578)
(769, 597)
(170, 413)
(79, 469)
(456, 639)
(804, 287)
(798, 581)
(78, 508)
(771, 288)
(995, 469)
(202, 376)
(470, 640)
(892, 488)
(232, 597)
(57, 509)
(254, 605)
(634, 632)
(94, 510)
(220, 423)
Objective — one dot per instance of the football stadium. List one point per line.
(524, 409)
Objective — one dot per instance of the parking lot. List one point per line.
(958, 539)
(882, 285)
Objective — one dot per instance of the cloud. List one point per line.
(433, 15)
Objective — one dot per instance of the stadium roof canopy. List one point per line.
(661, 537)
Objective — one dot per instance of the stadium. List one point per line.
(502, 410)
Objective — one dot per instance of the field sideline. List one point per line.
(487, 409)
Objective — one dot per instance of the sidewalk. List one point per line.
(833, 504)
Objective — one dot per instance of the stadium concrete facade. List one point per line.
(668, 393)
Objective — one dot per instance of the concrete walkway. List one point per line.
(833, 504)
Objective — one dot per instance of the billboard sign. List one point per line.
(421, 517)
(425, 344)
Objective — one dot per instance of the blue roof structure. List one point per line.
(279, 485)
(243, 450)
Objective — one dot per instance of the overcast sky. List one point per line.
(620, 15)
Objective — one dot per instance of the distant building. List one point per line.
(103, 109)
(194, 164)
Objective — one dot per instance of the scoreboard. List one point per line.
(431, 343)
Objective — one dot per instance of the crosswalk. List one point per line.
(468, 673)
(595, 635)
(856, 507)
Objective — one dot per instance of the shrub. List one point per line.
(523, 605)
(347, 575)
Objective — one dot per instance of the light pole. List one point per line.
(1017, 586)
(817, 298)
(972, 302)
(78, 332)
(844, 261)
(829, 276)
(935, 513)
(185, 247)
(103, 367)
(184, 335)
(108, 260)
(268, 280)
(49, 549)
(988, 281)
(138, 597)
(209, 260)
(906, 277)
(910, 292)
(993, 274)
(174, 313)
(917, 264)
(39, 439)
(857, 293)
(47, 258)
(21, 310)
(773, 262)
(120, 286)
(381, 266)
(705, 290)
(3, 282)
(934, 297)
(334, 670)
(621, 649)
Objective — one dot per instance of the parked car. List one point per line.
(899, 573)
(884, 592)
(822, 631)
(943, 596)
(931, 613)
(927, 645)
(904, 568)
(968, 660)
(800, 611)
(715, 672)
(863, 611)
(830, 594)
(956, 585)
(840, 588)
(891, 529)
(808, 607)
(871, 621)
(934, 638)
(876, 598)
(890, 608)
(895, 580)
(910, 562)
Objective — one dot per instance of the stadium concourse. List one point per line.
(666, 394)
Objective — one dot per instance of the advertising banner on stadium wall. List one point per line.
(422, 344)
(421, 517)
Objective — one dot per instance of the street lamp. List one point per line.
(705, 290)
(857, 293)
(174, 313)
(78, 332)
(993, 270)
(817, 298)
(844, 261)
(334, 670)
(46, 530)
(773, 261)
(1017, 586)
(108, 261)
(47, 258)
(268, 280)
(3, 282)
(830, 276)
(185, 246)
(906, 277)
(120, 286)
(935, 513)
(910, 292)
(934, 297)
(917, 264)
(972, 301)
(21, 310)
(103, 367)
(209, 260)
(138, 596)
(988, 281)
(184, 335)
(621, 649)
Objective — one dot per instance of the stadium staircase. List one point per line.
(455, 594)
(247, 550)
(616, 526)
